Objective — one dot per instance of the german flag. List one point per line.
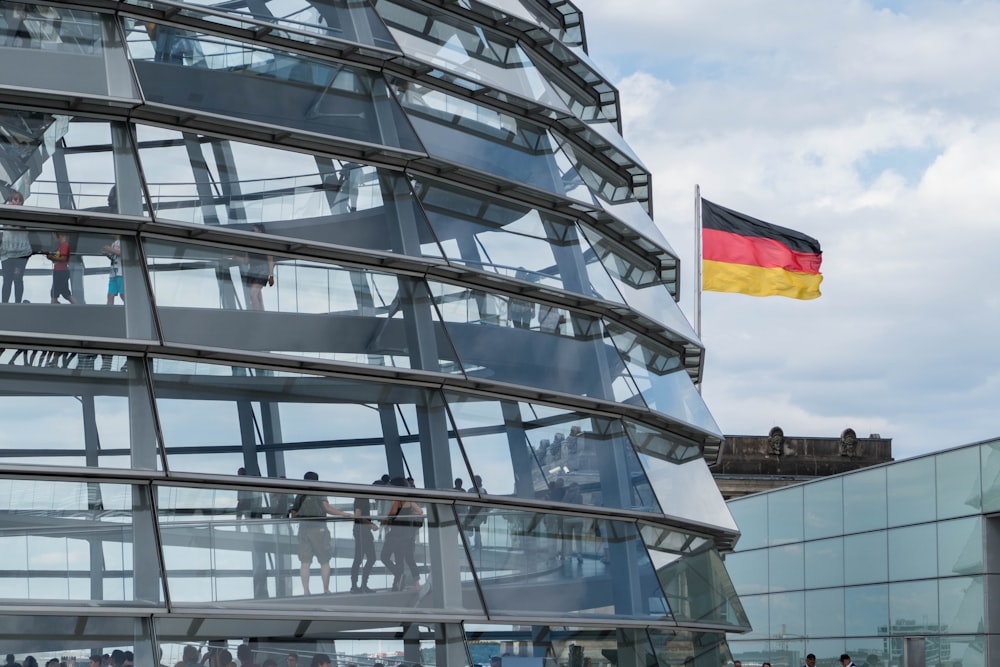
(749, 256)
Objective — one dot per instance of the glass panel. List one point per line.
(561, 350)
(205, 294)
(757, 611)
(49, 268)
(958, 483)
(688, 491)
(823, 507)
(535, 452)
(751, 652)
(77, 543)
(310, 21)
(990, 462)
(960, 546)
(911, 552)
(223, 547)
(750, 514)
(469, 50)
(75, 409)
(551, 646)
(491, 141)
(824, 563)
(58, 48)
(966, 651)
(664, 386)
(911, 491)
(217, 75)
(694, 578)
(962, 604)
(788, 614)
(784, 516)
(285, 424)
(293, 642)
(208, 180)
(653, 443)
(866, 558)
(511, 240)
(869, 610)
(825, 613)
(913, 608)
(747, 570)
(75, 637)
(62, 162)
(526, 567)
(864, 500)
(690, 649)
(787, 568)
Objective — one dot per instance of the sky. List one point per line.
(871, 126)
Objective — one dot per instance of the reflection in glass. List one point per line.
(687, 491)
(64, 408)
(867, 610)
(960, 546)
(864, 500)
(750, 514)
(747, 569)
(825, 613)
(312, 198)
(217, 75)
(962, 604)
(541, 453)
(669, 392)
(697, 648)
(913, 608)
(911, 552)
(63, 162)
(911, 491)
(62, 48)
(205, 294)
(62, 635)
(694, 578)
(231, 547)
(784, 516)
(285, 424)
(532, 564)
(990, 462)
(77, 542)
(866, 558)
(958, 483)
(823, 508)
(824, 563)
(462, 131)
(756, 608)
(786, 567)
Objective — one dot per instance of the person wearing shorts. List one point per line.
(314, 538)
(116, 283)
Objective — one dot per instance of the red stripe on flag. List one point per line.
(756, 251)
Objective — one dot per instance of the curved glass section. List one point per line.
(63, 408)
(267, 303)
(281, 424)
(499, 236)
(540, 453)
(231, 548)
(78, 543)
(533, 564)
(560, 350)
(470, 51)
(217, 75)
(668, 392)
(64, 282)
(694, 578)
(201, 179)
(310, 21)
(461, 131)
(63, 49)
(682, 489)
(68, 162)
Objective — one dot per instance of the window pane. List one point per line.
(958, 483)
(78, 542)
(751, 516)
(48, 635)
(823, 506)
(788, 613)
(784, 516)
(824, 563)
(990, 462)
(864, 500)
(913, 608)
(868, 610)
(786, 568)
(825, 613)
(911, 552)
(962, 604)
(866, 558)
(960, 546)
(747, 569)
(911, 491)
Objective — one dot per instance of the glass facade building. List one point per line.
(248, 240)
(893, 559)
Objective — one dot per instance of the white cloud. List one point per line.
(874, 131)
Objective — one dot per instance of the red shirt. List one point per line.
(62, 265)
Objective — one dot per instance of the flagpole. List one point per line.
(697, 259)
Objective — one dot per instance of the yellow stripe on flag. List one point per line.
(758, 281)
